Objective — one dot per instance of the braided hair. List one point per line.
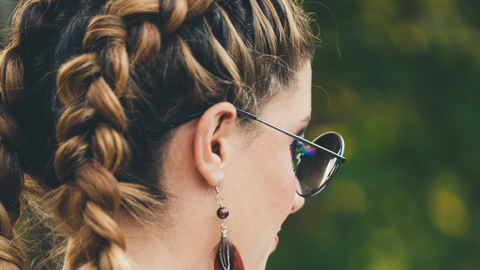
(89, 87)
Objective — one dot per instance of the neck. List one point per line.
(184, 239)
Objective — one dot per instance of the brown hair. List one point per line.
(89, 88)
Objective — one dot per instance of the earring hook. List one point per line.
(216, 187)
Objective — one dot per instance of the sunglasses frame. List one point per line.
(303, 140)
(340, 160)
(334, 170)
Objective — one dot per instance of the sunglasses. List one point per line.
(315, 163)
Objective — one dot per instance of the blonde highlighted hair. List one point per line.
(89, 87)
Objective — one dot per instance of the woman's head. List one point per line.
(92, 87)
(256, 167)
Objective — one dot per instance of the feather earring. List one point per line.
(227, 255)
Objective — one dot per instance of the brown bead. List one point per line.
(222, 213)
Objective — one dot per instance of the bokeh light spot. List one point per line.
(346, 197)
(378, 12)
(386, 250)
(448, 212)
(409, 39)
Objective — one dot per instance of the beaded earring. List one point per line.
(227, 255)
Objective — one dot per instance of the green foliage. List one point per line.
(6, 7)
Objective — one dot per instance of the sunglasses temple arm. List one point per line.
(325, 150)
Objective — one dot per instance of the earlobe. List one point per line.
(211, 146)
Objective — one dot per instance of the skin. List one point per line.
(258, 186)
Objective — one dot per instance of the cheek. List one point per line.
(278, 181)
(264, 195)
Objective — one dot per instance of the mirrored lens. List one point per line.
(315, 169)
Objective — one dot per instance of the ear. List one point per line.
(211, 143)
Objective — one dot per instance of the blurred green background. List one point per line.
(404, 94)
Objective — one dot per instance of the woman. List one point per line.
(138, 120)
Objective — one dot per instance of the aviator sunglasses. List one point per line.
(315, 163)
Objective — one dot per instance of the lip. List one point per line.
(275, 243)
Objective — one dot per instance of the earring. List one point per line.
(227, 255)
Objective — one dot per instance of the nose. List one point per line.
(298, 201)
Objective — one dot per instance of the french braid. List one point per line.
(11, 173)
(104, 79)
(11, 185)
(89, 161)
